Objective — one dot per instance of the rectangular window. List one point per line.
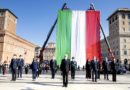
(1, 14)
(123, 16)
(116, 17)
(123, 23)
(123, 29)
(112, 19)
(124, 40)
(129, 23)
(128, 16)
(125, 52)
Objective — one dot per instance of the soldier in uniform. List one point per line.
(65, 66)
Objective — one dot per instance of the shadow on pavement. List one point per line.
(70, 82)
(47, 84)
(28, 88)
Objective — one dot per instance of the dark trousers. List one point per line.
(4, 70)
(13, 74)
(39, 72)
(98, 76)
(94, 75)
(34, 74)
(65, 79)
(52, 73)
(20, 71)
(106, 75)
(114, 76)
(26, 71)
(72, 74)
(88, 73)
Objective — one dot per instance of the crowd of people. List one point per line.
(93, 68)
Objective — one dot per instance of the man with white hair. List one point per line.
(53, 67)
(65, 67)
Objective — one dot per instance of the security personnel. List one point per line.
(13, 66)
(53, 67)
(73, 67)
(65, 66)
(20, 66)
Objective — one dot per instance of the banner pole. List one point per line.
(49, 34)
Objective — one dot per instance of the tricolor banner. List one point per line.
(78, 35)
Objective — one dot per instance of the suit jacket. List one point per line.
(73, 65)
(113, 66)
(20, 62)
(53, 64)
(65, 66)
(34, 65)
(105, 66)
(94, 65)
(13, 64)
(88, 65)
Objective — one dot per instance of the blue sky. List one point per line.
(35, 17)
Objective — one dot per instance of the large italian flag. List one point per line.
(78, 35)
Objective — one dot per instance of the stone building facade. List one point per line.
(119, 34)
(10, 43)
(49, 51)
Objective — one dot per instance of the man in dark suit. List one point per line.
(94, 65)
(53, 67)
(105, 65)
(73, 68)
(20, 66)
(88, 69)
(13, 66)
(113, 69)
(65, 66)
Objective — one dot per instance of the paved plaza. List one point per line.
(44, 82)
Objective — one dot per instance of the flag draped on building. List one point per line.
(72, 36)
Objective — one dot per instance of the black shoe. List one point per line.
(63, 86)
(66, 85)
(12, 80)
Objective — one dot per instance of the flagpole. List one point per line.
(106, 40)
(49, 34)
